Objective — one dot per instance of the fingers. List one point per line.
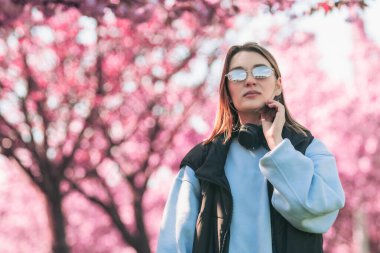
(273, 120)
(271, 110)
(268, 113)
(273, 103)
(276, 105)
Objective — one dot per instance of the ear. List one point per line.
(278, 88)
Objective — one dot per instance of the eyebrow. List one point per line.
(254, 66)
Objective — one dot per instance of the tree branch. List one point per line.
(109, 209)
(29, 173)
(68, 159)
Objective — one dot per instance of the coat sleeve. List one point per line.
(180, 214)
(307, 190)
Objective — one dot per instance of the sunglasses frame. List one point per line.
(256, 77)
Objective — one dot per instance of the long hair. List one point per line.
(227, 118)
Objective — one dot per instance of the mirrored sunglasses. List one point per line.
(240, 74)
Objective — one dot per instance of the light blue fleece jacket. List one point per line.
(307, 192)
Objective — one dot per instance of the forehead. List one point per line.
(247, 59)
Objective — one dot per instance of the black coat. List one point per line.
(212, 233)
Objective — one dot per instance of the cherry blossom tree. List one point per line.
(357, 146)
(96, 108)
(142, 11)
(101, 99)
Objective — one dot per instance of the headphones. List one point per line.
(251, 136)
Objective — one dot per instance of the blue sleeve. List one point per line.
(180, 214)
(307, 190)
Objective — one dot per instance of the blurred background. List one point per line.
(101, 99)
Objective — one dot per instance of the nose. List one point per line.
(250, 80)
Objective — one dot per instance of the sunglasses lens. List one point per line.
(237, 75)
(262, 72)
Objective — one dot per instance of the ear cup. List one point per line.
(251, 136)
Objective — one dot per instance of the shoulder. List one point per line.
(196, 156)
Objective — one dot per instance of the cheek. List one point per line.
(232, 91)
(269, 88)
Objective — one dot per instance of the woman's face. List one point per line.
(251, 94)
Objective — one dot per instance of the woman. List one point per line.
(261, 182)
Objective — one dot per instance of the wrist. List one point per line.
(274, 141)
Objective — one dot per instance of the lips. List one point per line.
(251, 92)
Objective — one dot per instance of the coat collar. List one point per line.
(212, 170)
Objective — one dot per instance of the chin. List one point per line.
(251, 107)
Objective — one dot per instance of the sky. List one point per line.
(332, 33)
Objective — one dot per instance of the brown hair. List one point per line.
(227, 118)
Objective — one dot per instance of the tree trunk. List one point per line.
(57, 223)
(143, 245)
(142, 238)
(360, 232)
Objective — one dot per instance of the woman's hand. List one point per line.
(273, 121)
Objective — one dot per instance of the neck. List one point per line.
(249, 117)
